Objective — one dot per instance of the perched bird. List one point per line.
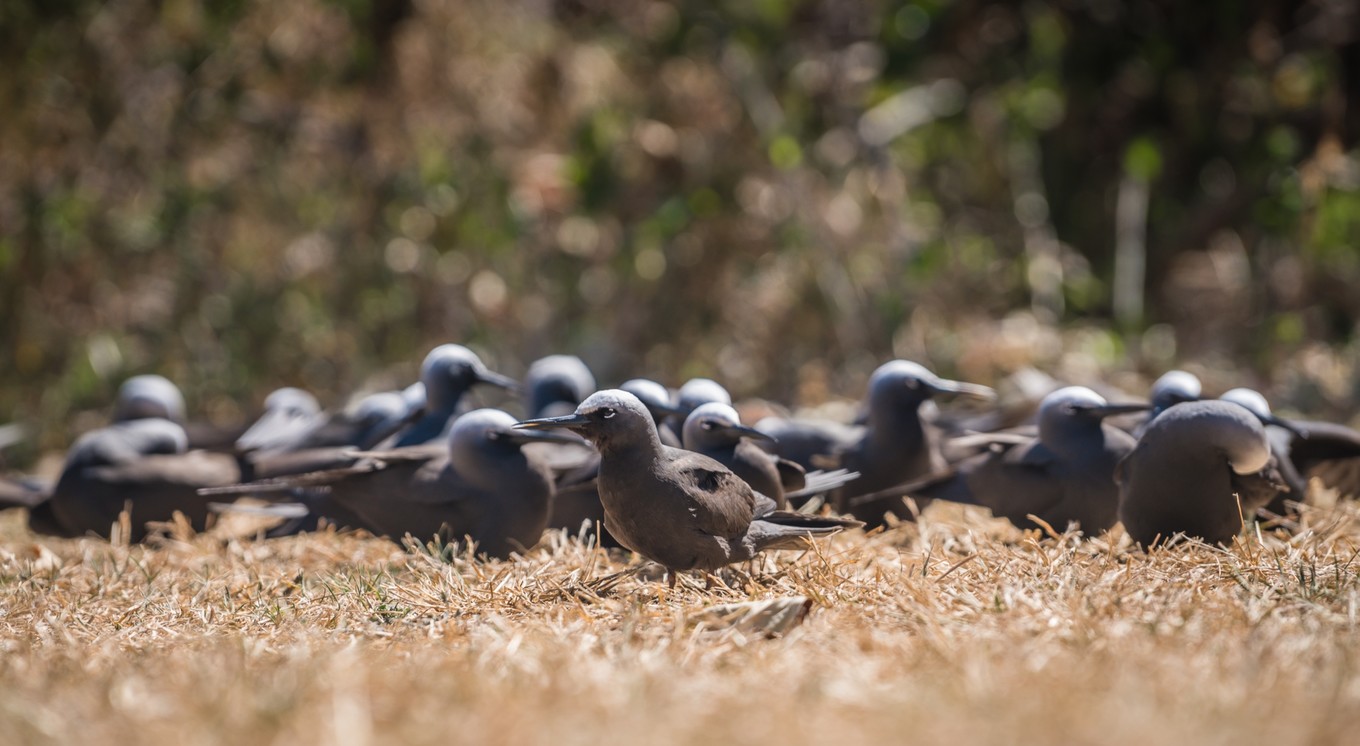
(479, 484)
(1198, 470)
(680, 509)
(449, 372)
(1062, 474)
(141, 465)
(895, 445)
(555, 384)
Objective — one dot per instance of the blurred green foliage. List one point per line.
(244, 194)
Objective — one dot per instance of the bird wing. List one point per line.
(192, 469)
(720, 503)
(1256, 490)
(791, 476)
(20, 493)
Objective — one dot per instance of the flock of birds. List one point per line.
(676, 476)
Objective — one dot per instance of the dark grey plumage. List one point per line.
(1062, 473)
(1171, 388)
(480, 484)
(680, 509)
(1199, 468)
(690, 396)
(895, 445)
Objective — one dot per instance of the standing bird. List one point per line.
(480, 484)
(896, 444)
(577, 502)
(1198, 470)
(449, 372)
(139, 464)
(680, 509)
(1062, 475)
(555, 384)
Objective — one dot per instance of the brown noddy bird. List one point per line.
(142, 464)
(896, 444)
(1171, 388)
(555, 384)
(1198, 470)
(1305, 449)
(480, 483)
(447, 373)
(577, 502)
(715, 430)
(1062, 473)
(680, 509)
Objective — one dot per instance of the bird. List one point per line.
(896, 444)
(448, 372)
(149, 396)
(1305, 449)
(690, 395)
(1199, 469)
(289, 415)
(140, 464)
(480, 483)
(1061, 473)
(1171, 388)
(577, 502)
(715, 430)
(555, 384)
(680, 509)
(657, 399)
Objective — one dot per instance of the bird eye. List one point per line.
(707, 425)
(607, 413)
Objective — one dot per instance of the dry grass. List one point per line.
(953, 630)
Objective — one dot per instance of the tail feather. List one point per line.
(784, 530)
(823, 481)
(946, 485)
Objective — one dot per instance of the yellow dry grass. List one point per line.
(954, 630)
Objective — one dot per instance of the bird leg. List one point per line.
(671, 578)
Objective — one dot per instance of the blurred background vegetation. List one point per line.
(242, 195)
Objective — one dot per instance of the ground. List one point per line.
(953, 630)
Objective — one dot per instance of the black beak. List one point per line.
(569, 421)
(749, 432)
(1110, 410)
(959, 388)
(522, 436)
(496, 379)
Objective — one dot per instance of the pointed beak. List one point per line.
(750, 432)
(497, 380)
(959, 388)
(1110, 410)
(522, 436)
(569, 421)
